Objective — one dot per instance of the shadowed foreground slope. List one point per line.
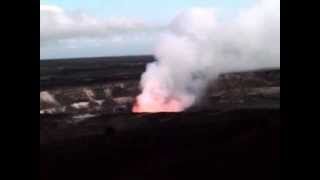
(233, 144)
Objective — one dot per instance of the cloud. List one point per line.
(58, 25)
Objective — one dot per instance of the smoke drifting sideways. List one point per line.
(198, 47)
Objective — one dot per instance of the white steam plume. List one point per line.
(197, 48)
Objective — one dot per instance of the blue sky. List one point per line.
(157, 11)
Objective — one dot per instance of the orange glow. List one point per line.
(156, 106)
(154, 98)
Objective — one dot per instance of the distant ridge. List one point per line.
(101, 58)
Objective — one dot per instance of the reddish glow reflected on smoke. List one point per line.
(198, 47)
(156, 104)
(154, 98)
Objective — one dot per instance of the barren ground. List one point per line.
(88, 132)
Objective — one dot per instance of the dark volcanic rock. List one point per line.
(221, 145)
(88, 132)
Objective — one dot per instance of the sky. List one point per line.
(93, 28)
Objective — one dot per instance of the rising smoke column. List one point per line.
(197, 48)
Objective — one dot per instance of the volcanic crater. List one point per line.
(87, 129)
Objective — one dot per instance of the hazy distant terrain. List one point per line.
(83, 71)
